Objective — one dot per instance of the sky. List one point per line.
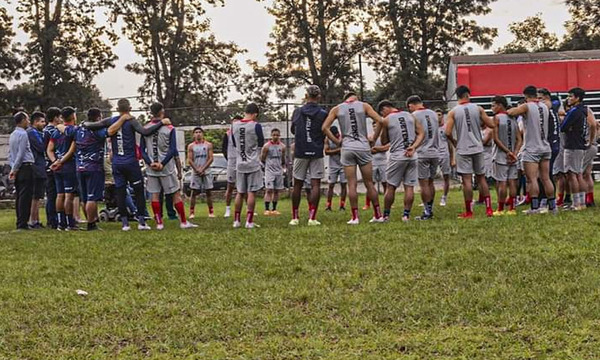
(247, 23)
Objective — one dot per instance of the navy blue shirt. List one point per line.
(90, 149)
(575, 128)
(36, 141)
(309, 139)
(62, 144)
(48, 131)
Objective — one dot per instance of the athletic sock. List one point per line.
(481, 198)
(249, 217)
(500, 205)
(238, 216)
(511, 203)
(527, 199)
(312, 212)
(377, 211)
(543, 202)
(181, 211)
(192, 209)
(267, 205)
(70, 220)
(551, 204)
(468, 206)
(591, 194)
(535, 203)
(568, 198)
(354, 213)
(157, 210)
(560, 197)
(386, 213)
(328, 204)
(368, 202)
(62, 221)
(274, 205)
(406, 213)
(211, 210)
(342, 203)
(582, 198)
(429, 208)
(295, 213)
(125, 221)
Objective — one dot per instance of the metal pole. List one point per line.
(362, 92)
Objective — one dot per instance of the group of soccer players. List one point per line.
(538, 138)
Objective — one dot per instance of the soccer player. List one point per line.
(122, 130)
(428, 153)
(309, 143)
(273, 156)
(248, 139)
(36, 141)
(230, 155)
(356, 149)
(403, 132)
(380, 159)
(537, 152)
(200, 157)
(158, 151)
(467, 120)
(61, 151)
(553, 130)
(336, 170)
(445, 155)
(53, 119)
(588, 159)
(508, 140)
(577, 135)
(89, 159)
(21, 162)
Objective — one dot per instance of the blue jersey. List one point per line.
(90, 149)
(62, 144)
(123, 144)
(48, 131)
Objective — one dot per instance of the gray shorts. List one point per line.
(470, 164)
(504, 172)
(273, 181)
(249, 182)
(168, 184)
(444, 164)
(528, 157)
(316, 167)
(337, 175)
(402, 172)
(231, 175)
(590, 155)
(379, 173)
(427, 167)
(201, 183)
(573, 161)
(356, 157)
(559, 163)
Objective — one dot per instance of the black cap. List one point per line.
(252, 108)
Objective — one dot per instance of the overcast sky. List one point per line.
(247, 23)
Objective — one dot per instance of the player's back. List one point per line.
(124, 144)
(467, 124)
(90, 149)
(246, 143)
(62, 144)
(353, 125)
(401, 134)
(430, 146)
(507, 134)
(536, 128)
(158, 146)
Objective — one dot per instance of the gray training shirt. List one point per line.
(467, 124)
(247, 146)
(402, 134)
(380, 158)
(200, 152)
(335, 161)
(535, 124)
(274, 157)
(353, 126)
(507, 134)
(429, 149)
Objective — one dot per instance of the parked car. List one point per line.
(218, 170)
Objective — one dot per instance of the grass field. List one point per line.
(501, 288)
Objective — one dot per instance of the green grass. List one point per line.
(501, 288)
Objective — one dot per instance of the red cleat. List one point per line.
(465, 216)
(489, 212)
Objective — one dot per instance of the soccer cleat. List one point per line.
(405, 218)
(227, 214)
(328, 208)
(465, 215)
(554, 211)
(294, 222)
(443, 201)
(531, 212)
(267, 213)
(511, 213)
(187, 225)
(498, 213)
(144, 227)
(73, 228)
(353, 222)
(275, 213)
(192, 215)
(386, 219)
(237, 224)
(342, 208)
(366, 207)
(126, 228)
(313, 223)
(543, 210)
(489, 212)
(211, 216)
(251, 225)
(160, 226)
(375, 220)
(424, 217)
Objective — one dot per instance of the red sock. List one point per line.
(342, 203)
(377, 211)
(589, 198)
(295, 213)
(592, 197)
(328, 203)
(156, 209)
(560, 199)
(481, 198)
(500, 205)
(488, 202)
(238, 216)
(312, 212)
(527, 198)
(354, 213)
(250, 217)
(210, 210)
(511, 203)
(368, 202)
(468, 204)
(181, 211)
(192, 208)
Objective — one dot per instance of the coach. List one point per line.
(21, 168)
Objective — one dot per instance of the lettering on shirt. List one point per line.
(308, 127)
(541, 112)
(468, 120)
(243, 154)
(353, 124)
(404, 131)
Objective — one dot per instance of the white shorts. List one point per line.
(168, 184)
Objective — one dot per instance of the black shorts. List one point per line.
(39, 188)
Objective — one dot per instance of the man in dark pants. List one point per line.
(21, 169)
(36, 142)
(53, 119)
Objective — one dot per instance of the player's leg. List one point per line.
(501, 192)
(394, 178)
(480, 169)
(210, 203)
(315, 198)
(299, 171)
(424, 175)
(60, 202)
(544, 171)
(444, 198)
(343, 194)
(532, 175)
(156, 191)
(228, 197)
(51, 217)
(172, 188)
(388, 200)
(268, 197)
(350, 172)
(409, 197)
(275, 199)
(467, 183)
(367, 174)
(241, 187)
(330, 189)
(135, 178)
(254, 184)
(193, 195)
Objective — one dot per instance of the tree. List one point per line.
(65, 45)
(9, 61)
(180, 55)
(583, 29)
(530, 36)
(310, 44)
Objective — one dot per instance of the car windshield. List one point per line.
(219, 161)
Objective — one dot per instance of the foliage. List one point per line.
(530, 36)
(583, 29)
(9, 53)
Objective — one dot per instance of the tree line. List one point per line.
(407, 42)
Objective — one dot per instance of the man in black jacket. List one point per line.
(36, 140)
